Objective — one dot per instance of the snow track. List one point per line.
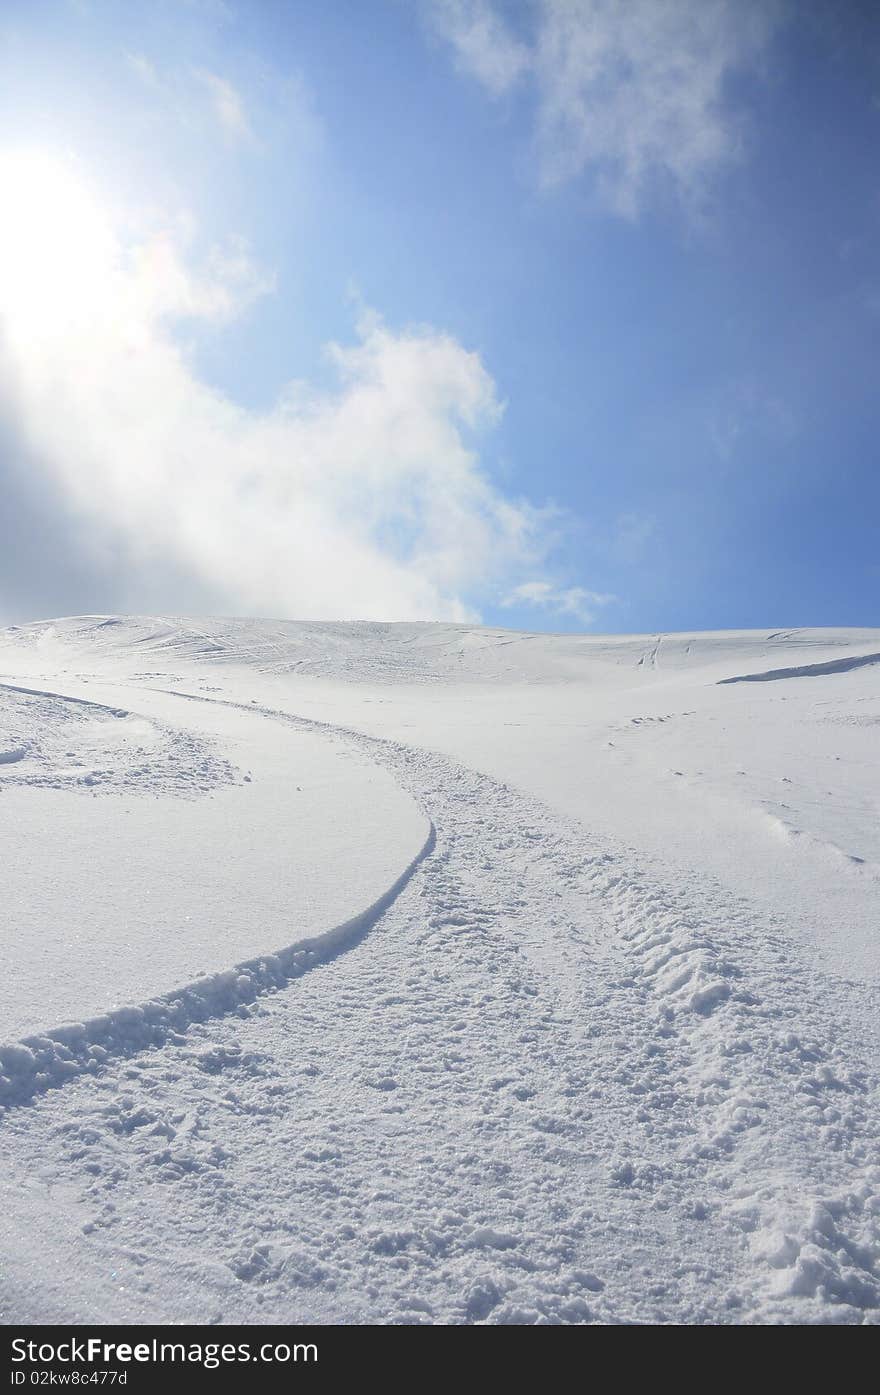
(544, 1088)
(54, 1057)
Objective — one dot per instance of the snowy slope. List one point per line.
(599, 1041)
(173, 861)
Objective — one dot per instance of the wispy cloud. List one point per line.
(227, 105)
(365, 499)
(571, 600)
(636, 93)
(748, 409)
(163, 286)
(483, 43)
(198, 98)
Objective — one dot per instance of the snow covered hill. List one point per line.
(432, 973)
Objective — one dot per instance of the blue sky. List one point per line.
(561, 314)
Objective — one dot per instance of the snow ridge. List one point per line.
(806, 670)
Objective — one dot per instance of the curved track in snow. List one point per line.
(546, 1089)
(146, 939)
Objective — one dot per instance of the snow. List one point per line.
(550, 995)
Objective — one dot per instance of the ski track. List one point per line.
(543, 1088)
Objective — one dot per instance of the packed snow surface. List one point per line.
(433, 973)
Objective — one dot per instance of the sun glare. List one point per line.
(57, 247)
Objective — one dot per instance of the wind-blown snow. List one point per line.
(595, 1036)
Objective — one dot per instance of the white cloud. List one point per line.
(365, 500)
(572, 600)
(162, 285)
(190, 93)
(482, 41)
(227, 105)
(636, 92)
